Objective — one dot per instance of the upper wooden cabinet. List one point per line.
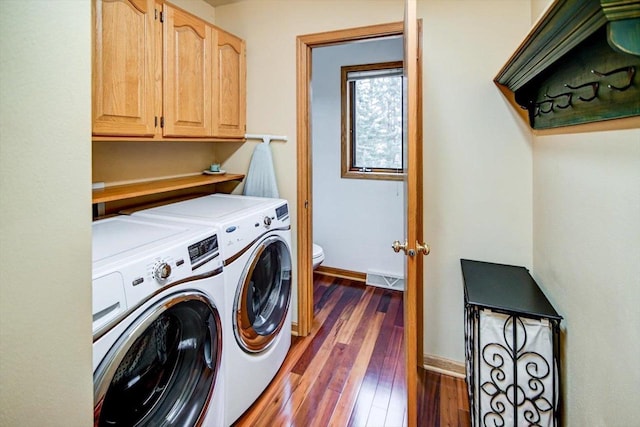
(161, 73)
(123, 67)
(231, 90)
(188, 65)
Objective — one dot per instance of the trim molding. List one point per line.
(444, 366)
(294, 329)
(341, 273)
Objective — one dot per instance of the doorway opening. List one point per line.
(305, 45)
(356, 128)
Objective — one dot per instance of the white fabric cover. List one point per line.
(261, 177)
(494, 386)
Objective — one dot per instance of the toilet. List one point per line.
(318, 255)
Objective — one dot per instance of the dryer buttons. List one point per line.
(161, 272)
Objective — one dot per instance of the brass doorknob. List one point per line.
(397, 246)
(423, 248)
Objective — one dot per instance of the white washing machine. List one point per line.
(255, 240)
(158, 313)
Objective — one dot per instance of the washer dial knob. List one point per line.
(267, 221)
(162, 271)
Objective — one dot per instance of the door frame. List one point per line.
(304, 45)
(413, 296)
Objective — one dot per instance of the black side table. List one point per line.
(512, 347)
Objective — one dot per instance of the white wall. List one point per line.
(197, 7)
(587, 259)
(477, 152)
(45, 211)
(477, 156)
(354, 220)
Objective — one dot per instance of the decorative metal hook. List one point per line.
(594, 85)
(532, 110)
(540, 109)
(631, 72)
(569, 95)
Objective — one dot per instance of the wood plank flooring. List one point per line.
(350, 370)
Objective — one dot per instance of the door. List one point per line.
(164, 366)
(188, 75)
(262, 299)
(230, 99)
(123, 68)
(414, 249)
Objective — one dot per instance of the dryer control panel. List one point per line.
(239, 233)
(203, 251)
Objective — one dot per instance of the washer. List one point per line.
(158, 309)
(255, 240)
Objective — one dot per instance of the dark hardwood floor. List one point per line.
(350, 370)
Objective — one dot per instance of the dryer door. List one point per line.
(162, 370)
(262, 299)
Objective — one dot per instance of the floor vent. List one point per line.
(385, 280)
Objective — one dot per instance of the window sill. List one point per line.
(380, 176)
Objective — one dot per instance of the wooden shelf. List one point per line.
(134, 138)
(128, 191)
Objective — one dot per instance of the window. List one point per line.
(372, 121)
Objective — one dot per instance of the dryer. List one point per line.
(158, 313)
(255, 241)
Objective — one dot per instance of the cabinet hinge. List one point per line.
(161, 122)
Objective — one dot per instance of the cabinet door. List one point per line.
(123, 67)
(231, 89)
(187, 87)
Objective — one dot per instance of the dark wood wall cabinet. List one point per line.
(579, 64)
(512, 347)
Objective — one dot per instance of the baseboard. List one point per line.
(444, 366)
(294, 329)
(341, 273)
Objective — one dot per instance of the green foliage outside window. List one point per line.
(377, 127)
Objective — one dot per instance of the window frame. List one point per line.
(347, 169)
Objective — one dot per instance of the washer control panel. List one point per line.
(170, 265)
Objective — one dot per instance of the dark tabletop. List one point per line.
(504, 287)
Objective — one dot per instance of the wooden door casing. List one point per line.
(188, 75)
(304, 45)
(123, 98)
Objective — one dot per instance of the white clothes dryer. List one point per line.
(158, 309)
(255, 240)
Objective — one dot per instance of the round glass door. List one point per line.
(262, 299)
(163, 369)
